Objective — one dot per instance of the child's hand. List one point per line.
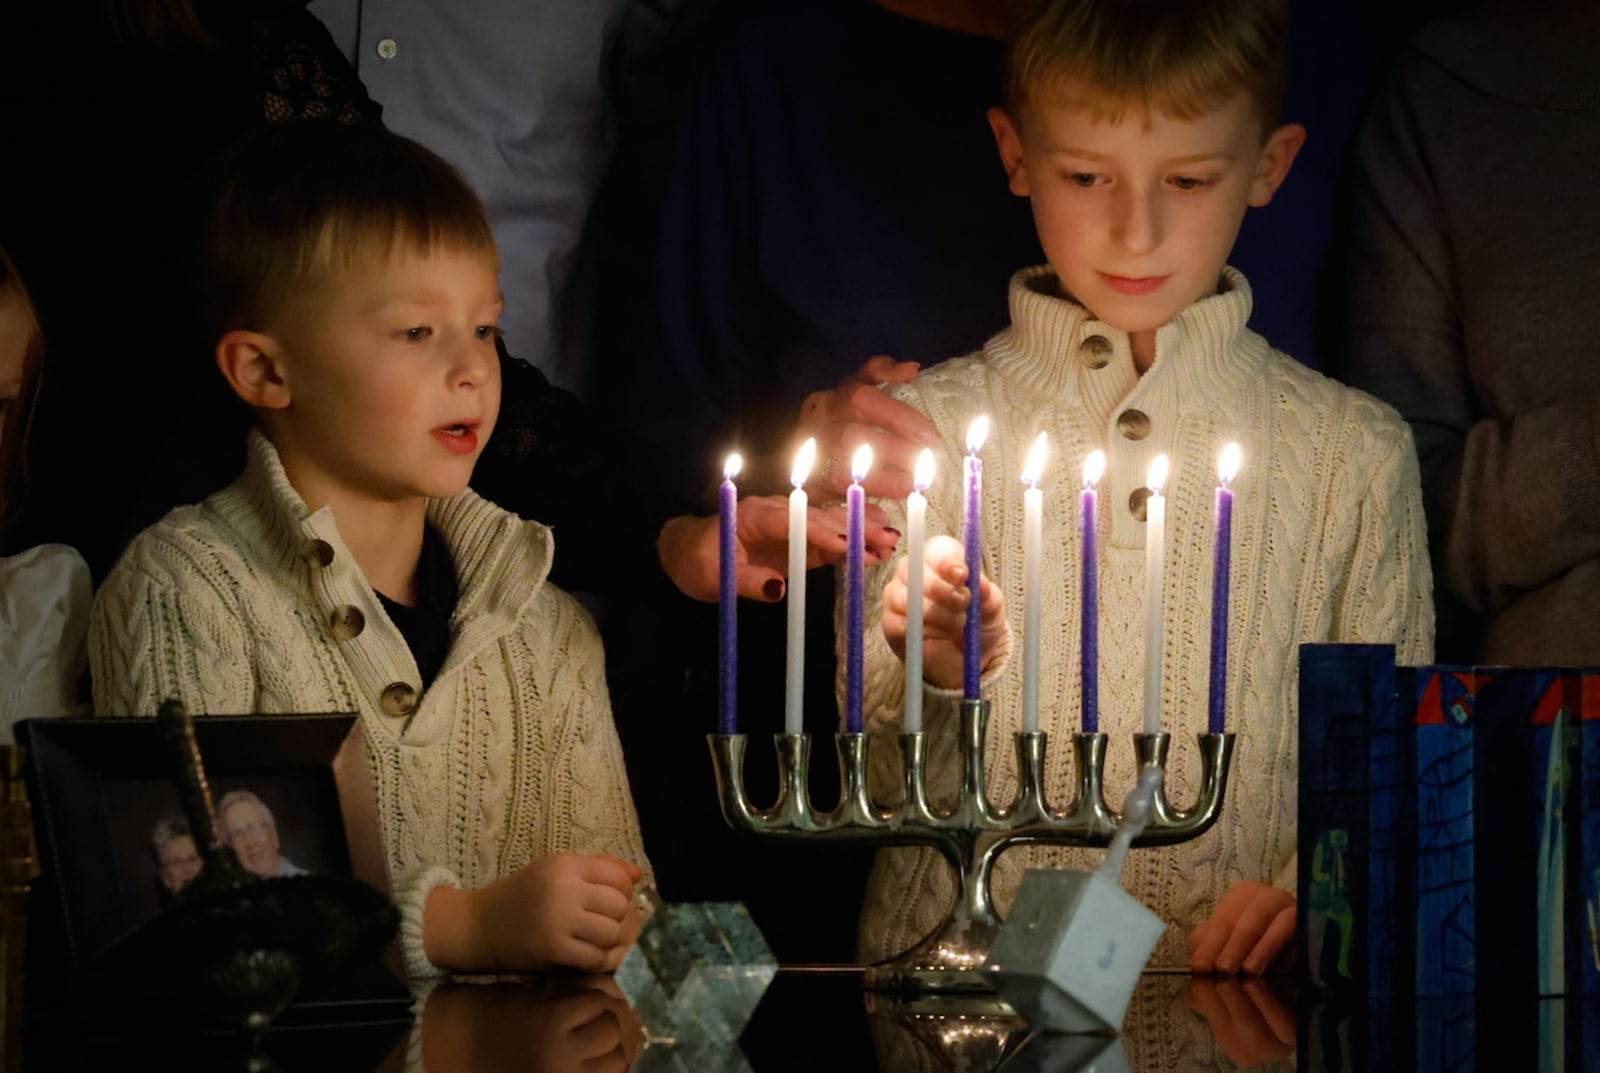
(689, 550)
(944, 613)
(857, 412)
(1251, 931)
(566, 909)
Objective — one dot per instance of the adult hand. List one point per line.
(565, 909)
(689, 549)
(1253, 1023)
(945, 602)
(858, 412)
(583, 1023)
(1252, 930)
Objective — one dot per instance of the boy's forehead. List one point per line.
(1091, 125)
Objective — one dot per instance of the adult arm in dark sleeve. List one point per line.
(1512, 500)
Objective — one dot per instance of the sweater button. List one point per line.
(347, 622)
(398, 699)
(317, 553)
(1133, 424)
(1095, 352)
(1136, 502)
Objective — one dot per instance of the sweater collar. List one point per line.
(501, 561)
(1058, 350)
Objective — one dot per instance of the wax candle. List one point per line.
(795, 666)
(916, 536)
(1032, 529)
(855, 587)
(728, 593)
(1216, 708)
(1154, 541)
(972, 532)
(1089, 610)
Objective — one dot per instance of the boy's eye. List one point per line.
(417, 335)
(1082, 178)
(1192, 182)
(486, 331)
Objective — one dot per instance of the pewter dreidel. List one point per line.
(1070, 955)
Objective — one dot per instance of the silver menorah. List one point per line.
(971, 832)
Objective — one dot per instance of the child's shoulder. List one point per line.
(1321, 401)
(191, 545)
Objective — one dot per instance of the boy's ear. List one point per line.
(1009, 141)
(1283, 145)
(250, 362)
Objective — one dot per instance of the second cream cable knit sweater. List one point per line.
(1328, 545)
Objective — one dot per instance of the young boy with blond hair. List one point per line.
(1141, 133)
(348, 275)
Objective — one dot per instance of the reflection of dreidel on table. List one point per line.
(1071, 952)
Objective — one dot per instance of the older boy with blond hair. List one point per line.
(349, 277)
(1141, 133)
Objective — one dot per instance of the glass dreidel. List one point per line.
(694, 978)
(1070, 954)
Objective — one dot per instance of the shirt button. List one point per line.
(387, 49)
(398, 699)
(317, 553)
(1133, 424)
(1095, 351)
(347, 622)
(1136, 502)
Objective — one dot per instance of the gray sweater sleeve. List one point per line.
(1512, 500)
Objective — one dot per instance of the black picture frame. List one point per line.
(97, 785)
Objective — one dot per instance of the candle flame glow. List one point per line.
(731, 467)
(861, 462)
(922, 476)
(977, 432)
(1228, 464)
(1157, 477)
(1033, 468)
(804, 459)
(1094, 467)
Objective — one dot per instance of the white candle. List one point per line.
(916, 536)
(1154, 541)
(1032, 528)
(794, 680)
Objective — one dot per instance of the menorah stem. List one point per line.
(974, 804)
(1030, 804)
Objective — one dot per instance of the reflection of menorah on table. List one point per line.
(972, 832)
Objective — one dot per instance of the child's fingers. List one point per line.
(1278, 937)
(606, 900)
(1205, 943)
(1246, 932)
(1278, 1014)
(597, 930)
(610, 871)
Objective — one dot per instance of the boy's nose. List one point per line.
(1138, 223)
(475, 360)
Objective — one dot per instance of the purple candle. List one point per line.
(1089, 613)
(1227, 467)
(855, 586)
(972, 532)
(728, 594)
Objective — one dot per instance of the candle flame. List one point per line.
(922, 476)
(1094, 467)
(804, 459)
(1157, 477)
(977, 432)
(1033, 468)
(1228, 464)
(861, 462)
(731, 467)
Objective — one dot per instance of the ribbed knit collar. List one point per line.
(1197, 352)
(501, 561)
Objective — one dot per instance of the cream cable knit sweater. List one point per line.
(250, 603)
(1328, 545)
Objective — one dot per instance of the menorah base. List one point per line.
(949, 960)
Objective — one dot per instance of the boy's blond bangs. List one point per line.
(1178, 58)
